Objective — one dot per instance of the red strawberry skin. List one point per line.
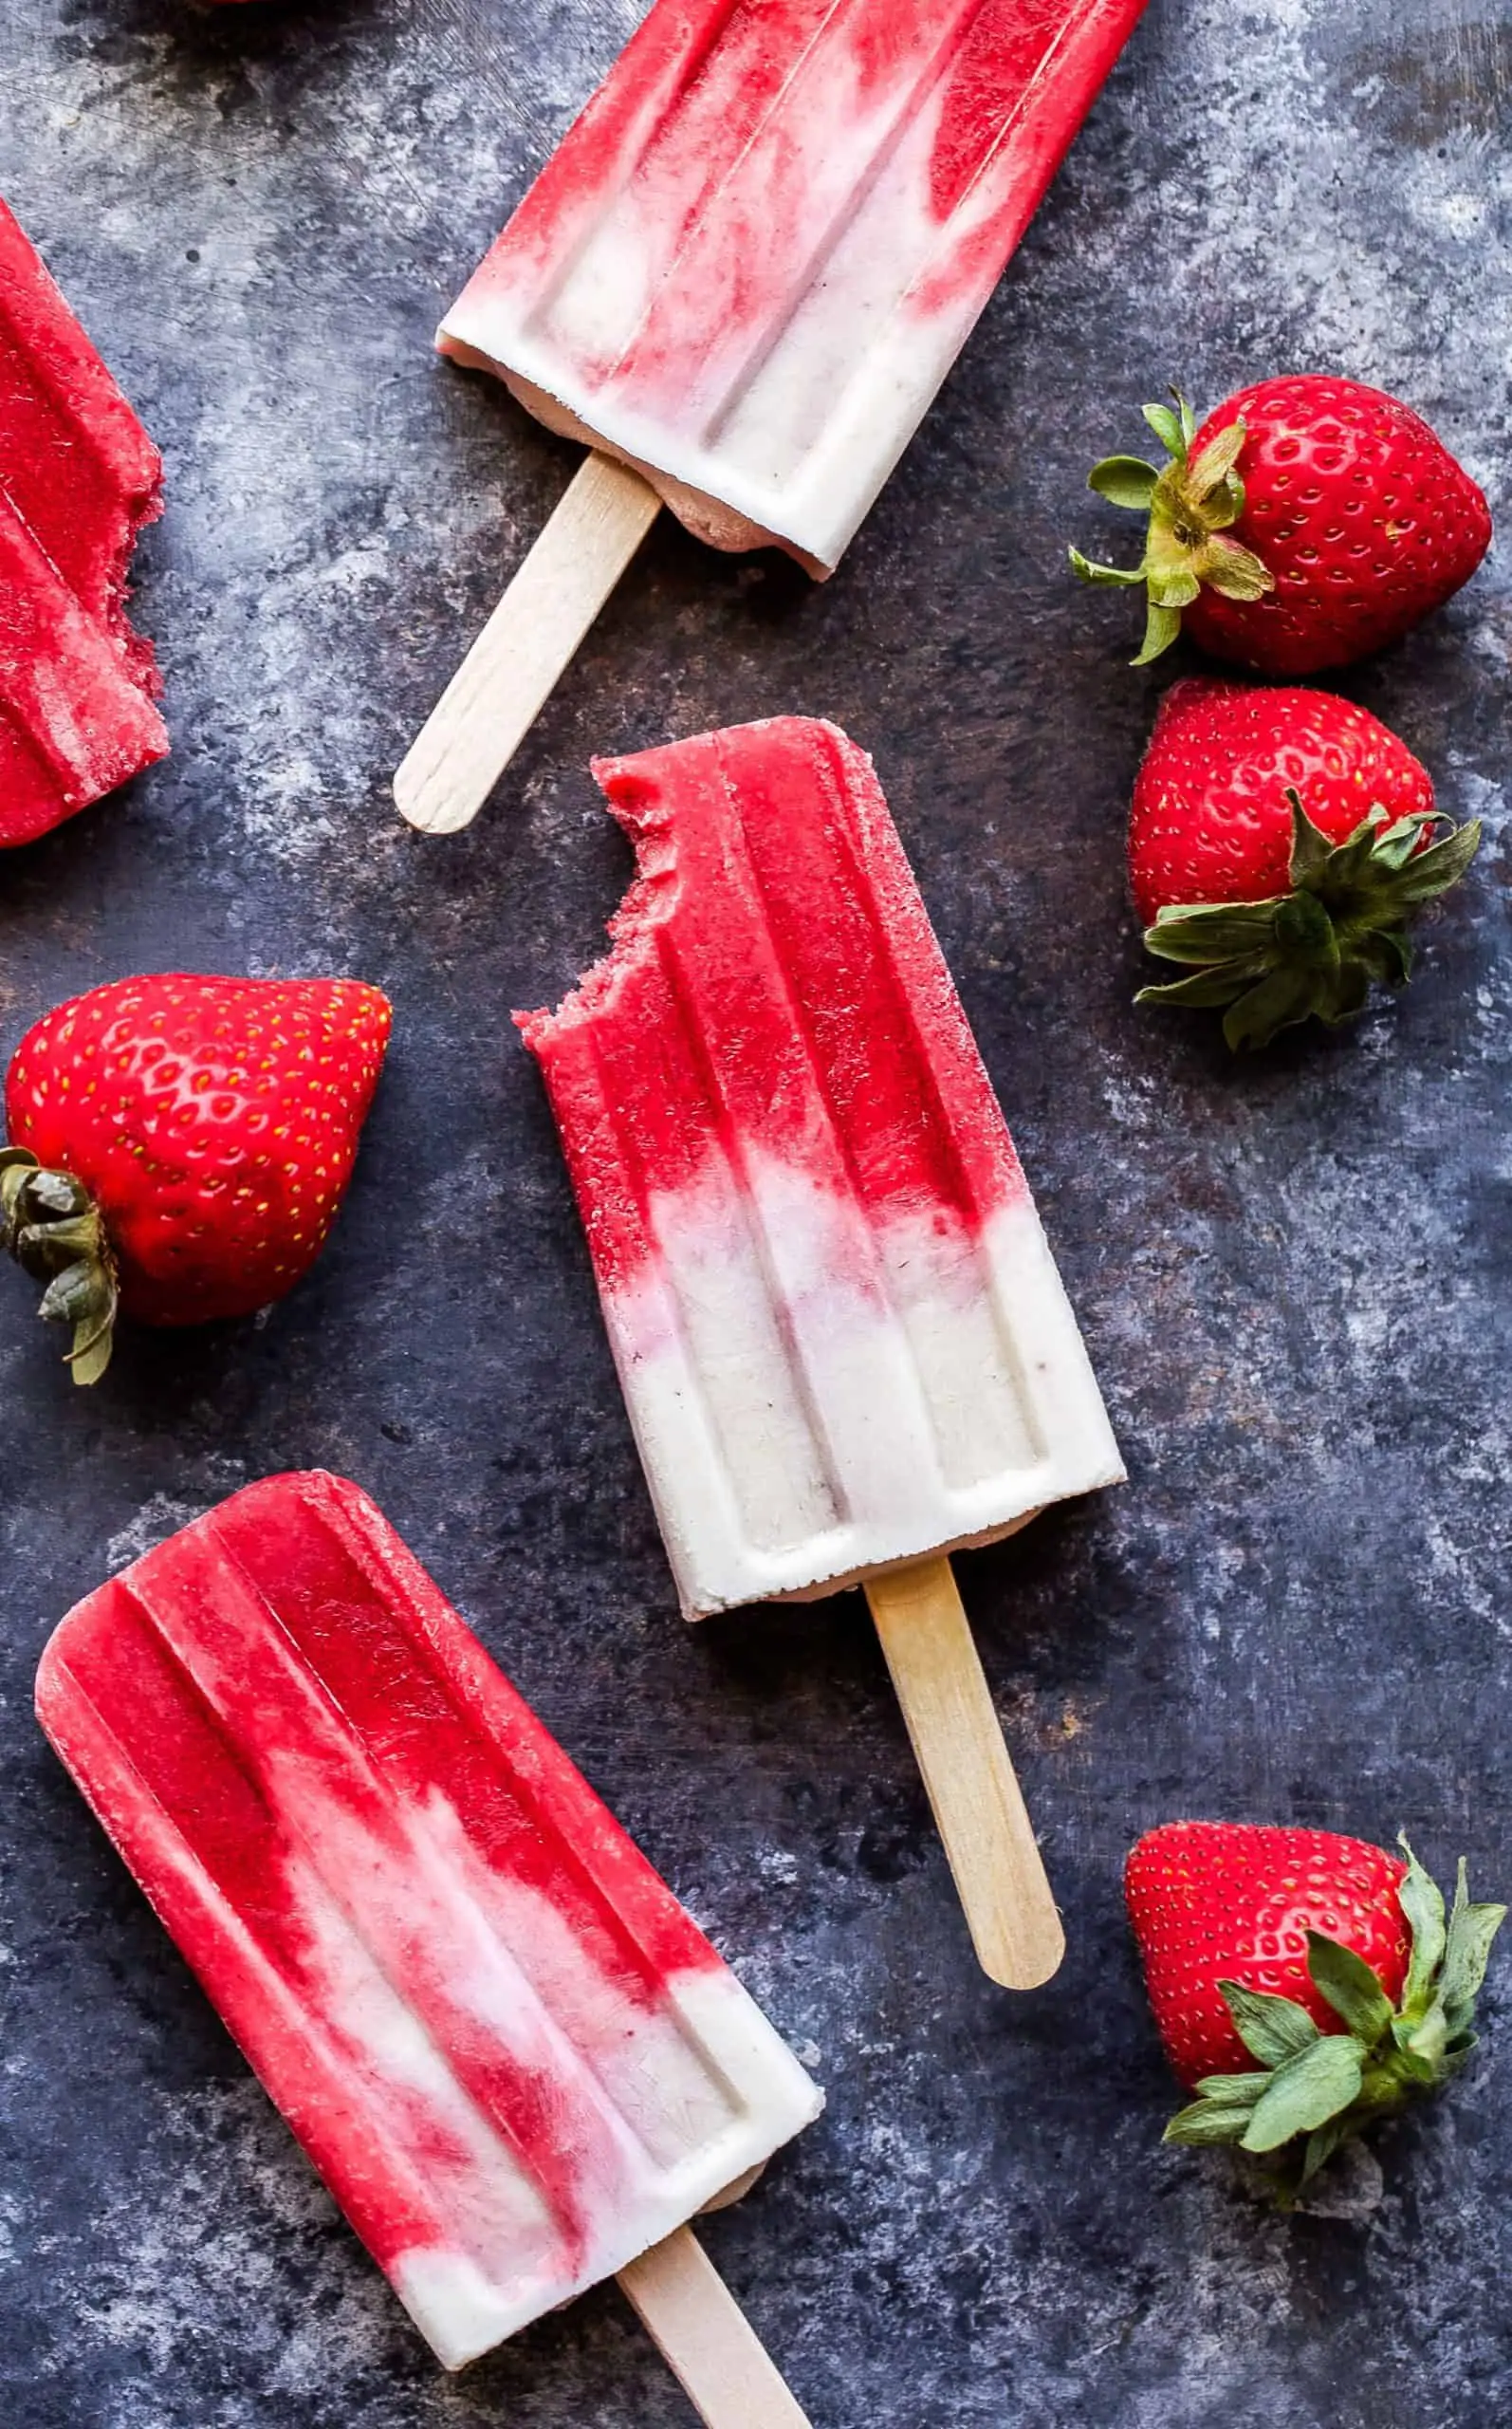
(1209, 820)
(213, 1121)
(1213, 1902)
(1359, 510)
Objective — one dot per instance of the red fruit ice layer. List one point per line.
(75, 722)
(775, 992)
(79, 477)
(449, 1965)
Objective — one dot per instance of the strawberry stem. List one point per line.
(1188, 505)
(51, 1226)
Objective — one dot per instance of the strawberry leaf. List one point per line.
(1423, 1905)
(1308, 2091)
(1233, 2092)
(1221, 2111)
(1170, 431)
(1282, 999)
(1273, 2029)
(1311, 848)
(1317, 951)
(1352, 1989)
(1206, 2123)
(1208, 932)
(1321, 2143)
(1467, 1947)
(52, 1228)
(1124, 480)
(1233, 571)
(1105, 577)
(1207, 989)
(1215, 463)
(1434, 871)
(1162, 624)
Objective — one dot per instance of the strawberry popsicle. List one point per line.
(843, 1340)
(509, 2051)
(743, 277)
(79, 477)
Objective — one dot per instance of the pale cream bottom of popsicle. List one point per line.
(707, 518)
(773, 1493)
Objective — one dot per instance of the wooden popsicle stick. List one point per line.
(706, 2340)
(977, 1802)
(528, 641)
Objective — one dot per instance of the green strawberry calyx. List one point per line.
(1190, 504)
(1315, 950)
(1313, 2091)
(51, 1226)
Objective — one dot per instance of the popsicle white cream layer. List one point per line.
(507, 2048)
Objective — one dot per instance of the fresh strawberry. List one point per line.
(1302, 1983)
(1308, 522)
(1279, 842)
(179, 1146)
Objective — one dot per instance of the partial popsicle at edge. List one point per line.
(843, 1340)
(745, 274)
(79, 479)
(509, 2051)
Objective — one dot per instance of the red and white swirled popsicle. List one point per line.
(507, 2048)
(745, 274)
(843, 1340)
(79, 477)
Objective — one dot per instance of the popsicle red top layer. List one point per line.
(79, 477)
(507, 2048)
(754, 259)
(839, 1333)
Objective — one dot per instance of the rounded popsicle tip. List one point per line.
(1021, 1952)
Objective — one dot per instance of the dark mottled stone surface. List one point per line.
(1293, 1275)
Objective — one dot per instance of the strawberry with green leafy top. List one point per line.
(1309, 521)
(1304, 1984)
(1279, 843)
(179, 1146)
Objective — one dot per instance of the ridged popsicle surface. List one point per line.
(506, 2046)
(841, 1337)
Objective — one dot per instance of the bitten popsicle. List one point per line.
(509, 2051)
(844, 1342)
(741, 281)
(79, 477)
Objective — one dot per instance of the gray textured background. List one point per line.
(1293, 1275)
